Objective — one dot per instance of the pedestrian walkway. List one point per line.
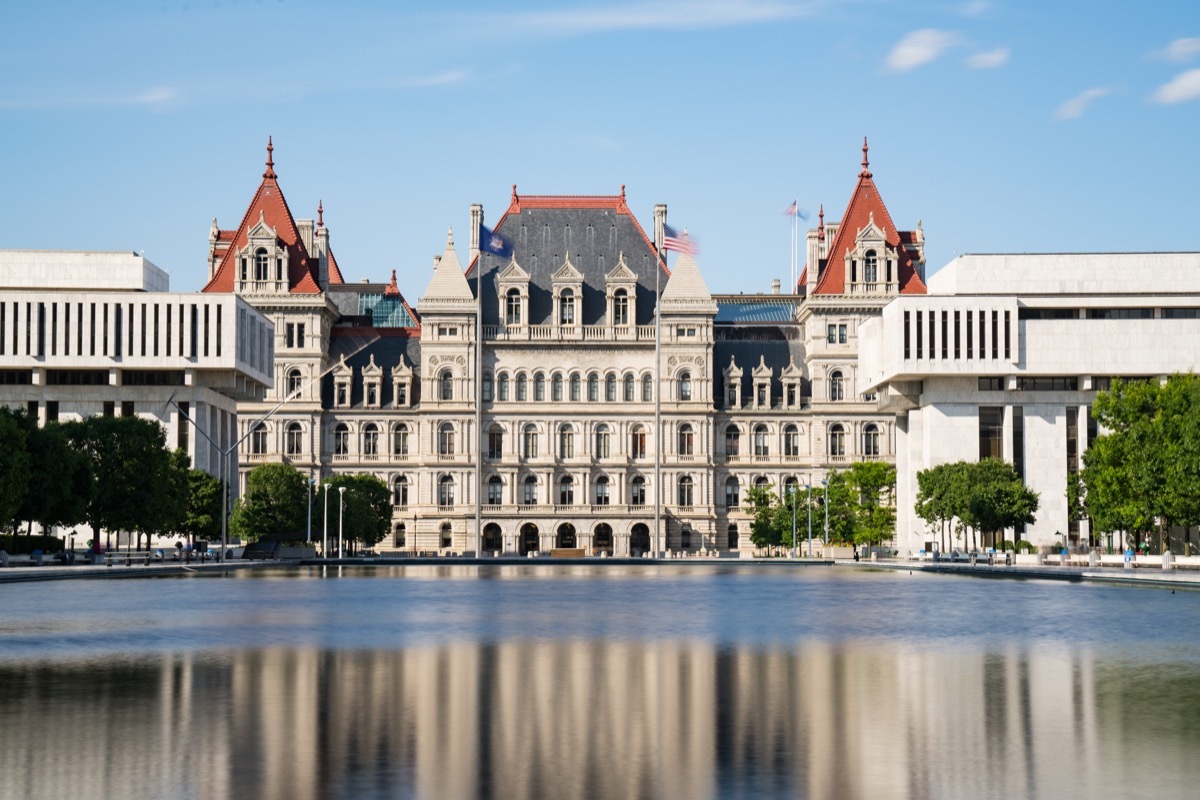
(1141, 576)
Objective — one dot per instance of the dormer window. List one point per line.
(870, 267)
(620, 307)
(566, 308)
(512, 307)
(262, 265)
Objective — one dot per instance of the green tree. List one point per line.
(60, 478)
(873, 487)
(935, 497)
(274, 504)
(14, 466)
(764, 528)
(367, 517)
(841, 505)
(130, 468)
(999, 498)
(203, 517)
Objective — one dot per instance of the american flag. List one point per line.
(794, 211)
(680, 244)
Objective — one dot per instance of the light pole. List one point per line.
(792, 500)
(341, 512)
(808, 486)
(325, 519)
(311, 481)
(825, 483)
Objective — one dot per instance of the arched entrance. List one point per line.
(733, 537)
(639, 540)
(493, 539)
(602, 539)
(529, 538)
(565, 538)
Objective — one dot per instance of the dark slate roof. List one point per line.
(776, 345)
(755, 308)
(371, 304)
(387, 346)
(595, 231)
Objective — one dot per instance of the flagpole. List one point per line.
(658, 437)
(479, 401)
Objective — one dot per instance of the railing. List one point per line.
(370, 456)
(560, 508)
(341, 456)
(445, 509)
(569, 333)
(527, 508)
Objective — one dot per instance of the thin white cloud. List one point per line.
(919, 47)
(1183, 87)
(990, 59)
(1179, 51)
(1074, 108)
(975, 8)
(447, 78)
(156, 98)
(650, 15)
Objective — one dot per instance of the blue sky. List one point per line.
(1003, 126)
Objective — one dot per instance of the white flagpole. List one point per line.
(658, 437)
(479, 401)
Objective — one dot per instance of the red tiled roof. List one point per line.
(269, 205)
(335, 273)
(865, 205)
(616, 202)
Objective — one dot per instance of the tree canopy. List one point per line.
(367, 517)
(274, 504)
(985, 496)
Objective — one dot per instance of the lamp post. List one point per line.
(325, 519)
(341, 513)
(792, 500)
(808, 487)
(311, 481)
(825, 483)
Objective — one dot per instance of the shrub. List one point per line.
(25, 545)
(1007, 545)
(1025, 546)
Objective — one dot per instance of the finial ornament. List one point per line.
(514, 194)
(866, 172)
(821, 222)
(320, 215)
(449, 237)
(270, 173)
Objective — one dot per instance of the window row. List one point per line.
(521, 388)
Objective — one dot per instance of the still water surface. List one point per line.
(597, 682)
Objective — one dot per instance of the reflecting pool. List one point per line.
(673, 681)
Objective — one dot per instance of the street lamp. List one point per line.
(311, 481)
(808, 487)
(791, 490)
(341, 511)
(825, 483)
(325, 518)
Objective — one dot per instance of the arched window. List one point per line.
(836, 390)
(446, 439)
(400, 535)
(732, 541)
(293, 440)
(487, 388)
(370, 439)
(522, 388)
(400, 440)
(447, 538)
(610, 388)
(502, 387)
(566, 491)
(733, 441)
(566, 307)
(446, 491)
(446, 385)
(837, 440)
(495, 491)
(294, 382)
(686, 490)
(601, 448)
(512, 307)
(686, 440)
(602, 491)
(629, 389)
(556, 386)
(539, 387)
(732, 498)
(647, 389)
(529, 441)
(529, 490)
(685, 386)
(870, 440)
(400, 492)
(262, 265)
(637, 491)
(593, 388)
(575, 386)
(791, 485)
(258, 439)
(341, 439)
(566, 442)
(761, 482)
(791, 441)
(762, 440)
(495, 441)
(620, 307)
(870, 267)
(637, 442)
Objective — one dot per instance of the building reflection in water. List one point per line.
(600, 720)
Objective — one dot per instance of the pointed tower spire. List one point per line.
(866, 172)
(320, 215)
(270, 173)
(821, 224)
(392, 289)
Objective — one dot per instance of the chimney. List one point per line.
(775, 286)
(476, 221)
(660, 220)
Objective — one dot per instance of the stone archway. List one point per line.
(639, 540)
(566, 538)
(530, 541)
(493, 538)
(602, 539)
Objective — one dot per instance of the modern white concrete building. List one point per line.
(87, 333)
(1004, 356)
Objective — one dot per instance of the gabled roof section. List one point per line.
(269, 207)
(686, 291)
(448, 286)
(866, 206)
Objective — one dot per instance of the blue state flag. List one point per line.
(494, 243)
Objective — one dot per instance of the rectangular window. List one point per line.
(1120, 313)
(143, 330)
(156, 329)
(991, 384)
(1018, 440)
(995, 334)
(831, 334)
(970, 336)
(841, 334)
(1007, 335)
(907, 349)
(945, 336)
(218, 336)
(1181, 313)
(1048, 384)
(1047, 313)
(957, 338)
(207, 336)
(991, 432)
(109, 408)
(51, 411)
(117, 328)
(920, 334)
(932, 329)
(181, 430)
(127, 408)
(1073, 455)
